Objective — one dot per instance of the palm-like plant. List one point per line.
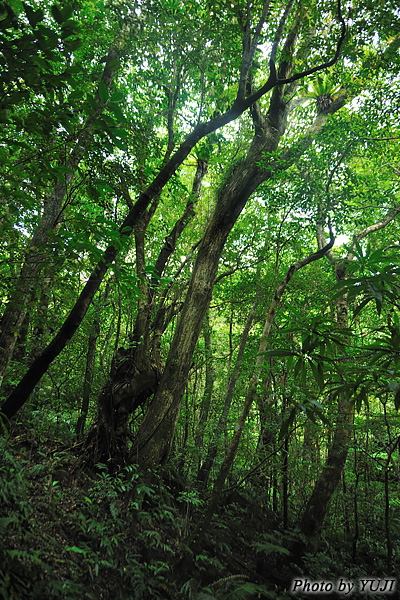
(323, 90)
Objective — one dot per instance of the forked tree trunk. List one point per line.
(154, 440)
(137, 370)
(25, 387)
(253, 172)
(155, 436)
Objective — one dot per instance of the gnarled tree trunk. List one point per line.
(258, 167)
(137, 369)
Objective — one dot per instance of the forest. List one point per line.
(199, 299)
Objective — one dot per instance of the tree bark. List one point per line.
(156, 433)
(138, 369)
(87, 386)
(21, 393)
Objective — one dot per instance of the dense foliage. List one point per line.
(200, 330)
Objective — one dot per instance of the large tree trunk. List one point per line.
(156, 433)
(155, 436)
(108, 441)
(137, 370)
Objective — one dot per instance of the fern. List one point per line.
(268, 548)
(243, 591)
(4, 523)
(228, 579)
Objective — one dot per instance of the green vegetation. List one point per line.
(199, 298)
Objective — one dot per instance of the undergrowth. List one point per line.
(70, 535)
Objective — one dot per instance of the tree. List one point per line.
(253, 174)
(37, 46)
(262, 163)
(313, 517)
(158, 206)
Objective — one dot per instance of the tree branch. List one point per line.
(249, 50)
(273, 77)
(279, 31)
(392, 214)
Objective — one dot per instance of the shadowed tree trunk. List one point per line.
(137, 369)
(21, 393)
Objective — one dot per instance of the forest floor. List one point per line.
(67, 534)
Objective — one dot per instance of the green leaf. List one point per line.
(57, 14)
(287, 423)
(397, 400)
(103, 92)
(4, 523)
(34, 16)
(280, 353)
(360, 306)
(76, 549)
(67, 12)
(72, 45)
(359, 248)
(117, 97)
(318, 374)
(120, 144)
(68, 29)
(298, 367)
(117, 112)
(269, 548)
